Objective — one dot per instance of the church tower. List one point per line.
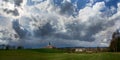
(49, 46)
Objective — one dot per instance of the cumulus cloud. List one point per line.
(67, 8)
(63, 24)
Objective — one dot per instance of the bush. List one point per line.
(20, 47)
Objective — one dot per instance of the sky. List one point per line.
(64, 23)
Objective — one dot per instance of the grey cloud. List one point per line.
(21, 32)
(18, 2)
(67, 8)
(15, 2)
(13, 12)
(45, 30)
(6, 0)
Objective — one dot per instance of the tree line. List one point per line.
(7, 47)
(115, 42)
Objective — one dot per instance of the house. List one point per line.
(91, 49)
(80, 49)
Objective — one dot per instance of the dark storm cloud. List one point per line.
(73, 33)
(75, 30)
(45, 30)
(6, 0)
(13, 12)
(18, 2)
(67, 8)
(21, 32)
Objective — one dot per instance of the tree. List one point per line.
(7, 47)
(115, 42)
(20, 47)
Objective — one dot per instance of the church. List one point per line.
(50, 46)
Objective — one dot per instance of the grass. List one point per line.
(50, 54)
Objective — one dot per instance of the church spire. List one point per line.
(49, 43)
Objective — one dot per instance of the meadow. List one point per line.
(50, 54)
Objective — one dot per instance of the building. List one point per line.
(85, 49)
(91, 49)
(50, 46)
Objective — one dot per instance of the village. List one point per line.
(68, 49)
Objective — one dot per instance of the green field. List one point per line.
(49, 54)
